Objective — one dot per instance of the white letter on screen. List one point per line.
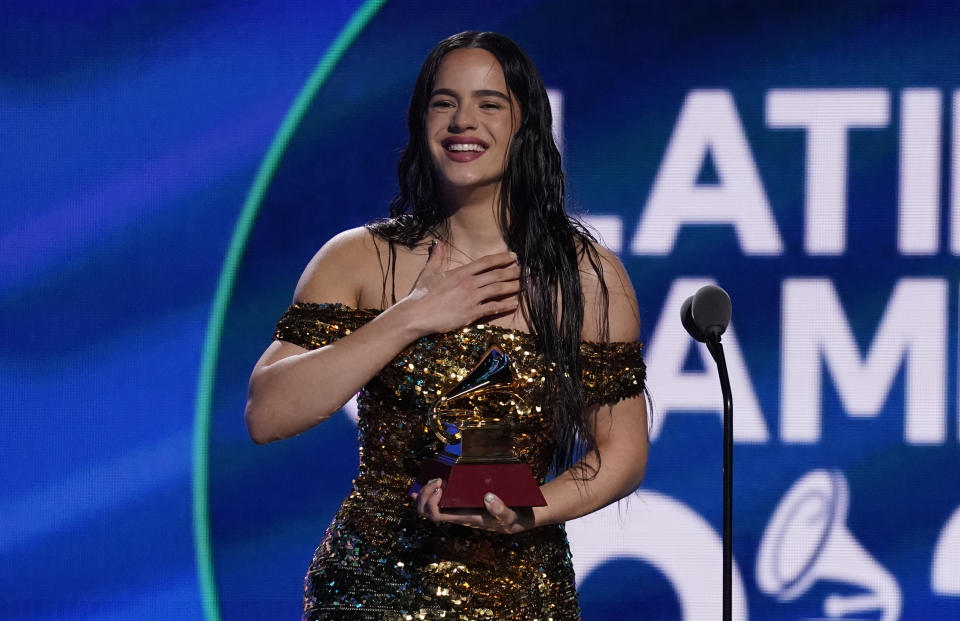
(708, 125)
(608, 230)
(670, 536)
(913, 331)
(677, 390)
(827, 114)
(955, 178)
(918, 231)
(555, 97)
(945, 573)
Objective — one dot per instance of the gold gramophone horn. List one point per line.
(492, 374)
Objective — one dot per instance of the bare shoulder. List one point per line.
(339, 270)
(599, 264)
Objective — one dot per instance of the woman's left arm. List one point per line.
(603, 476)
(620, 429)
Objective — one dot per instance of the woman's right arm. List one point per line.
(293, 389)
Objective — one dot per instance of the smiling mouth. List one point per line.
(457, 147)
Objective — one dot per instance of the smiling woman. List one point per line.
(481, 245)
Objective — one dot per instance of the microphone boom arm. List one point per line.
(716, 350)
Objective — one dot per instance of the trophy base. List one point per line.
(466, 484)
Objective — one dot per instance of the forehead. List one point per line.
(470, 69)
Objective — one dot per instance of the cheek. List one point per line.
(509, 128)
(430, 135)
(434, 122)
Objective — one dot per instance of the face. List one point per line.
(470, 121)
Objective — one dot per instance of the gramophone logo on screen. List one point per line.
(807, 541)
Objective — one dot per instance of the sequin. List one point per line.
(379, 560)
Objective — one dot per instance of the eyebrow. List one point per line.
(479, 93)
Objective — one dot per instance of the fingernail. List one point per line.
(488, 497)
(437, 480)
(513, 254)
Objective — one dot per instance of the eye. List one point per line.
(490, 105)
(441, 104)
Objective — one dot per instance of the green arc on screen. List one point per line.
(224, 291)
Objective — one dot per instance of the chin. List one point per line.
(465, 183)
(473, 185)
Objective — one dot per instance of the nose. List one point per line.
(463, 119)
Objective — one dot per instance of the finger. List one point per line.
(432, 499)
(510, 273)
(504, 515)
(425, 494)
(473, 518)
(499, 290)
(500, 307)
(491, 261)
(432, 507)
(421, 501)
(435, 255)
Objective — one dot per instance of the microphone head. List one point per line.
(711, 310)
(686, 317)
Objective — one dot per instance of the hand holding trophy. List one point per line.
(487, 462)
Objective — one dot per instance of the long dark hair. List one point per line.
(549, 244)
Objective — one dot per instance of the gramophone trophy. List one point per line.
(486, 462)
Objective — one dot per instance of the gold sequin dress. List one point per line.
(379, 559)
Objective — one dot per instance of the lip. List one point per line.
(463, 140)
(463, 156)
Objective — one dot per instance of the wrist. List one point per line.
(406, 320)
(543, 516)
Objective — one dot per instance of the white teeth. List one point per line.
(465, 146)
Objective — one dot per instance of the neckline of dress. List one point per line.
(529, 336)
(481, 325)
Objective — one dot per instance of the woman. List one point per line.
(481, 253)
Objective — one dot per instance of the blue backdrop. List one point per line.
(170, 167)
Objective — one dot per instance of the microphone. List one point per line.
(706, 314)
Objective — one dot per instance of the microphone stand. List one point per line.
(716, 350)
